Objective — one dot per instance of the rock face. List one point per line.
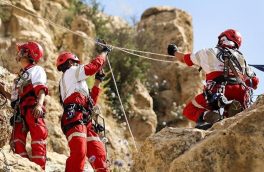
(16, 26)
(5, 111)
(143, 120)
(169, 83)
(234, 144)
(14, 162)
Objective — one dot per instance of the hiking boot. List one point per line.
(234, 108)
(211, 116)
(201, 124)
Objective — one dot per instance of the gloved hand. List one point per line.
(172, 49)
(100, 75)
(103, 48)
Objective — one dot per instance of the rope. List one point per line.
(138, 51)
(89, 38)
(159, 60)
(125, 50)
(122, 107)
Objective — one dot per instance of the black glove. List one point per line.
(100, 75)
(107, 49)
(172, 49)
(103, 48)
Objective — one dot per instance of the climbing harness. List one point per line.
(70, 111)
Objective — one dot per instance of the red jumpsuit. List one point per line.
(26, 88)
(83, 141)
(213, 67)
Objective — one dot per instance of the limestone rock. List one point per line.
(14, 162)
(162, 148)
(55, 162)
(233, 144)
(81, 23)
(80, 45)
(4, 127)
(36, 4)
(64, 3)
(169, 83)
(5, 111)
(113, 22)
(169, 25)
(143, 120)
(116, 22)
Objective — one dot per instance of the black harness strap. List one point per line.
(229, 61)
(70, 111)
(67, 127)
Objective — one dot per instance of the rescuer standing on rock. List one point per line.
(229, 80)
(27, 99)
(78, 105)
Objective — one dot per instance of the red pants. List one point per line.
(198, 105)
(38, 132)
(84, 143)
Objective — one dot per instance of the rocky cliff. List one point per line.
(17, 26)
(234, 144)
(169, 84)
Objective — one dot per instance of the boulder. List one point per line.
(233, 144)
(143, 120)
(81, 23)
(14, 162)
(5, 111)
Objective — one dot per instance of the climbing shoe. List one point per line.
(203, 125)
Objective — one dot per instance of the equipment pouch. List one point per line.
(69, 111)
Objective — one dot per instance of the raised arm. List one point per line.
(182, 57)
